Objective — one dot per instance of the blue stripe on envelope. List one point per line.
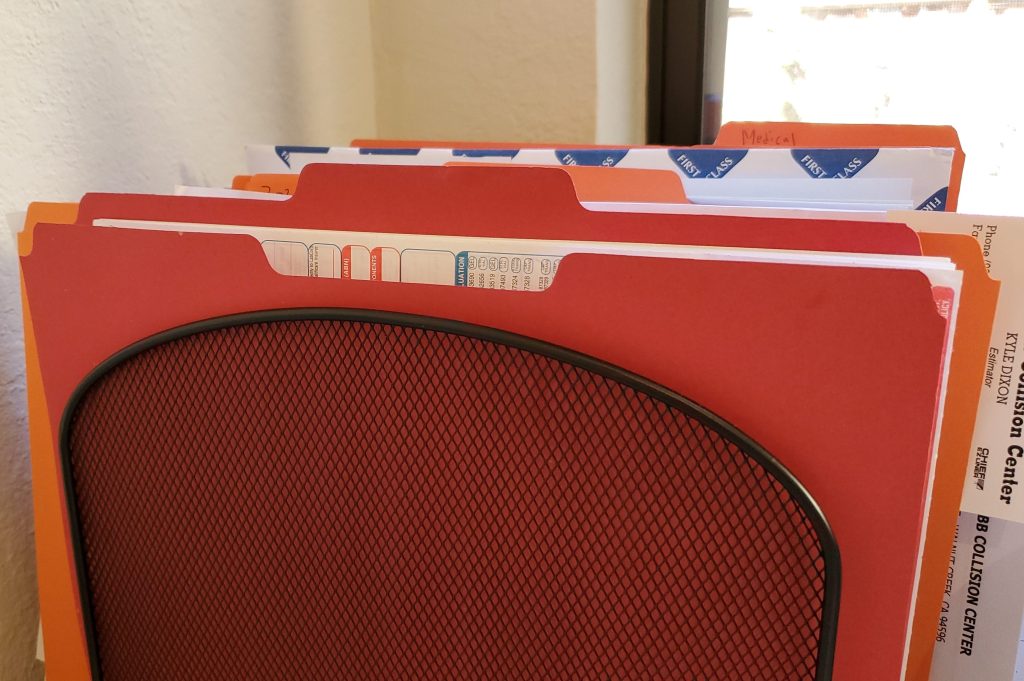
(384, 151)
(485, 153)
(590, 157)
(285, 152)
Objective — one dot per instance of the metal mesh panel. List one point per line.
(337, 499)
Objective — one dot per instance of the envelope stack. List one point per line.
(228, 389)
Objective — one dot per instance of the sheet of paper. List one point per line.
(875, 194)
(510, 264)
(224, 193)
(979, 629)
(875, 175)
(738, 211)
(15, 221)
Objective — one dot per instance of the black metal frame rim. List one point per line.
(813, 512)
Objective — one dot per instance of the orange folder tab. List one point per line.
(44, 211)
(791, 134)
(268, 183)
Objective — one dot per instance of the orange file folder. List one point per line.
(786, 134)
(978, 298)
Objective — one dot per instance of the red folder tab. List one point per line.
(473, 201)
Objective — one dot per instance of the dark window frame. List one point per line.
(677, 42)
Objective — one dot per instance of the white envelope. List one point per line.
(871, 179)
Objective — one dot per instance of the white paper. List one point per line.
(224, 193)
(738, 211)
(979, 629)
(284, 247)
(873, 179)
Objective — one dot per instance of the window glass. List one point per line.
(946, 62)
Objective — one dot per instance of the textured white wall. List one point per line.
(621, 71)
(486, 70)
(18, 603)
(138, 96)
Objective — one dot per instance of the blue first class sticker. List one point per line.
(485, 153)
(285, 152)
(590, 157)
(833, 163)
(936, 201)
(711, 164)
(384, 151)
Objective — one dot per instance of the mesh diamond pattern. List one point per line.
(331, 499)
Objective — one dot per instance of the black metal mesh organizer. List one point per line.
(331, 494)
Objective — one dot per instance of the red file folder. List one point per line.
(475, 201)
(592, 183)
(833, 370)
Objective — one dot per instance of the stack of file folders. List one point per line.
(413, 409)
